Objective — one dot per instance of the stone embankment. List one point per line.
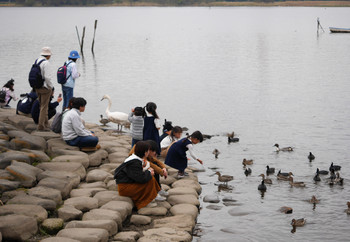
(50, 191)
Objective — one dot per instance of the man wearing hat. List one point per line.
(44, 93)
(72, 74)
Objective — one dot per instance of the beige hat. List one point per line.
(46, 51)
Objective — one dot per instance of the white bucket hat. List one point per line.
(46, 51)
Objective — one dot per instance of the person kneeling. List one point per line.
(35, 110)
(135, 177)
(73, 130)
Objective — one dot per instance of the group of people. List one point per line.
(38, 103)
(138, 176)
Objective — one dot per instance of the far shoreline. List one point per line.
(214, 4)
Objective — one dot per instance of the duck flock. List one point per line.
(331, 176)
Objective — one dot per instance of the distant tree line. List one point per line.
(131, 2)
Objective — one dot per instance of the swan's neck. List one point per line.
(109, 105)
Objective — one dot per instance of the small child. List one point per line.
(167, 127)
(174, 135)
(176, 156)
(135, 117)
(9, 90)
(151, 124)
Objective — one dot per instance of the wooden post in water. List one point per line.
(93, 40)
(76, 28)
(319, 25)
(82, 41)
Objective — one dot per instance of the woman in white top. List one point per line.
(174, 136)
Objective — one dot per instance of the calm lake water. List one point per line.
(262, 72)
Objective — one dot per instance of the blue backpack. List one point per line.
(62, 74)
(35, 78)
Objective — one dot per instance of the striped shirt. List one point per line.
(136, 127)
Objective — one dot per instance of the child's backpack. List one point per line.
(35, 78)
(56, 125)
(2, 96)
(62, 74)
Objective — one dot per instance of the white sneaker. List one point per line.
(160, 198)
(163, 193)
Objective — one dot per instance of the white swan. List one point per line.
(119, 118)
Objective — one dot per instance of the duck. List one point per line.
(322, 172)
(338, 180)
(270, 170)
(317, 176)
(224, 178)
(283, 149)
(298, 222)
(348, 210)
(283, 175)
(262, 186)
(333, 176)
(119, 118)
(246, 162)
(334, 167)
(266, 180)
(247, 171)
(295, 184)
(286, 210)
(311, 157)
(216, 153)
(103, 121)
(314, 200)
(232, 140)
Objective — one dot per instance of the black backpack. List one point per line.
(2, 95)
(35, 78)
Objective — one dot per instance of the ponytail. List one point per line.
(151, 107)
(187, 137)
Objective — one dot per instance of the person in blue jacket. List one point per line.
(52, 108)
(176, 156)
(72, 75)
(151, 124)
(24, 106)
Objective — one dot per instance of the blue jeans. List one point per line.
(67, 95)
(83, 141)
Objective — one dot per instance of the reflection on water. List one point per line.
(218, 70)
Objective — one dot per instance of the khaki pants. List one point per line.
(44, 95)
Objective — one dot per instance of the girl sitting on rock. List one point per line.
(135, 177)
(176, 156)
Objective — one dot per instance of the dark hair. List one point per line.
(10, 84)
(151, 107)
(70, 103)
(72, 59)
(141, 148)
(152, 145)
(196, 134)
(78, 102)
(138, 111)
(176, 129)
(167, 126)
